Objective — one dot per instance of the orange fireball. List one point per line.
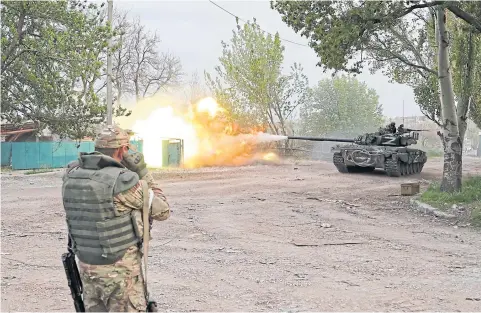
(210, 139)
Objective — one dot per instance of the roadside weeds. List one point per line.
(464, 206)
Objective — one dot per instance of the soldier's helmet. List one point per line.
(112, 136)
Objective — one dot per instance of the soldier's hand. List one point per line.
(135, 162)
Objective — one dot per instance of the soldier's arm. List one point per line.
(133, 199)
(160, 206)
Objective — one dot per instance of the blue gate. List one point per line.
(6, 153)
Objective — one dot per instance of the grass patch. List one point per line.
(476, 215)
(38, 171)
(470, 196)
(6, 169)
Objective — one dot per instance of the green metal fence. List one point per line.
(6, 153)
(37, 155)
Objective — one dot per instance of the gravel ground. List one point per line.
(291, 237)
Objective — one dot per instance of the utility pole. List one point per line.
(109, 66)
(403, 111)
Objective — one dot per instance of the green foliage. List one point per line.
(466, 61)
(471, 192)
(469, 196)
(396, 37)
(339, 31)
(378, 34)
(39, 171)
(341, 104)
(250, 83)
(50, 64)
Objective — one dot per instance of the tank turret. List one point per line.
(387, 149)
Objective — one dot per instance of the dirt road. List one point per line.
(262, 238)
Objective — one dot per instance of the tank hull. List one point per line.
(395, 161)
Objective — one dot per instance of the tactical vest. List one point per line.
(100, 234)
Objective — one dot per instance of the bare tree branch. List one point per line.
(140, 69)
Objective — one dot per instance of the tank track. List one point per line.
(338, 161)
(397, 168)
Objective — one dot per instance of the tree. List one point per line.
(139, 68)
(394, 37)
(452, 142)
(250, 83)
(341, 103)
(50, 63)
(466, 65)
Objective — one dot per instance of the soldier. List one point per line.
(391, 128)
(388, 129)
(401, 129)
(103, 200)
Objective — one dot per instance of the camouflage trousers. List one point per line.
(113, 288)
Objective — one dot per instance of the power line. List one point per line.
(232, 14)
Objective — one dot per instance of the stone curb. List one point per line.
(427, 209)
(21, 173)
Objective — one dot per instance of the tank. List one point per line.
(382, 150)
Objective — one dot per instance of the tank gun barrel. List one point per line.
(416, 130)
(320, 139)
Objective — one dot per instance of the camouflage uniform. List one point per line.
(401, 129)
(119, 287)
(391, 128)
(388, 129)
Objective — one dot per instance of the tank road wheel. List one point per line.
(393, 168)
(410, 169)
(338, 161)
(402, 169)
(416, 168)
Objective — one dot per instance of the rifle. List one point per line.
(73, 277)
(148, 196)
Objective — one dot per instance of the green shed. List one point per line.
(172, 152)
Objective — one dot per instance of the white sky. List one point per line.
(193, 30)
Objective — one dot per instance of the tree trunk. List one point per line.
(467, 89)
(452, 143)
(137, 89)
